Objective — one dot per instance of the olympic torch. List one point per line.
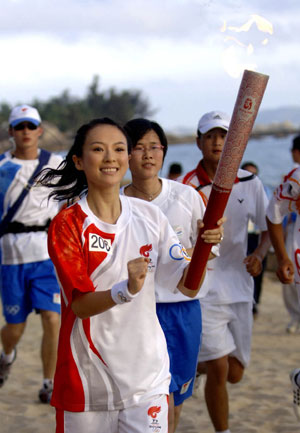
(249, 98)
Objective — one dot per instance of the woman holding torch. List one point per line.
(112, 372)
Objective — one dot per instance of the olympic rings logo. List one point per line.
(178, 252)
(12, 310)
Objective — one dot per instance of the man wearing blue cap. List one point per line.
(27, 275)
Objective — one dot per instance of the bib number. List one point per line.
(97, 243)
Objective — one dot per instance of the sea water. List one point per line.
(271, 154)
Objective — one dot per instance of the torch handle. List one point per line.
(214, 211)
(245, 110)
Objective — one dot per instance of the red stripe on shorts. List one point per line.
(60, 418)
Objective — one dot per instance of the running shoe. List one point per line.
(295, 379)
(5, 368)
(45, 393)
(293, 327)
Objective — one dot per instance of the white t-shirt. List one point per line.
(34, 210)
(117, 358)
(227, 277)
(286, 199)
(183, 206)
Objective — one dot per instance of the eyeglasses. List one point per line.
(23, 125)
(142, 149)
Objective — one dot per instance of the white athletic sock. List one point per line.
(223, 431)
(48, 383)
(8, 358)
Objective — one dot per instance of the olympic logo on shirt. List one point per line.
(12, 310)
(155, 425)
(178, 252)
(145, 252)
(153, 411)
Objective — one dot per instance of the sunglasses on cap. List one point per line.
(23, 125)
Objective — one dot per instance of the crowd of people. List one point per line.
(105, 267)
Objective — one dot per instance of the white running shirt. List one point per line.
(228, 279)
(286, 199)
(118, 358)
(183, 206)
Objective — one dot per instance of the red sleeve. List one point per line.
(66, 252)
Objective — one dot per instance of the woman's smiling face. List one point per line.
(104, 157)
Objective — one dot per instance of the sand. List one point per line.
(262, 402)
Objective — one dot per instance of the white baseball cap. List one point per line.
(213, 119)
(24, 113)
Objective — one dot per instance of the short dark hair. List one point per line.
(252, 164)
(296, 143)
(137, 128)
(175, 168)
(68, 182)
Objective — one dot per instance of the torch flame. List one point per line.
(250, 49)
(232, 65)
(262, 24)
(232, 38)
(223, 28)
(230, 57)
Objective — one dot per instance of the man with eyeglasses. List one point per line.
(28, 279)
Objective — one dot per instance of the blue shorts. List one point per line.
(182, 326)
(26, 287)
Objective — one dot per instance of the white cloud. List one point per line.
(172, 50)
(174, 19)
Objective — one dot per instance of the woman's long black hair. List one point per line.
(68, 182)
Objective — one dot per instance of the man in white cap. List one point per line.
(27, 275)
(227, 307)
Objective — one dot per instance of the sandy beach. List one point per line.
(262, 402)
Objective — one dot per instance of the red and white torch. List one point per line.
(248, 101)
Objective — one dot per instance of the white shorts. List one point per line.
(150, 416)
(226, 330)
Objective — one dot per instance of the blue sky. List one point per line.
(183, 54)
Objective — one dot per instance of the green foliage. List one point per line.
(5, 110)
(68, 112)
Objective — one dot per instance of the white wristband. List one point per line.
(216, 250)
(120, 293)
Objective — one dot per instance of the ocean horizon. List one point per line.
(271, 154)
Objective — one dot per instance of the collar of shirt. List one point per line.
(203, 176)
